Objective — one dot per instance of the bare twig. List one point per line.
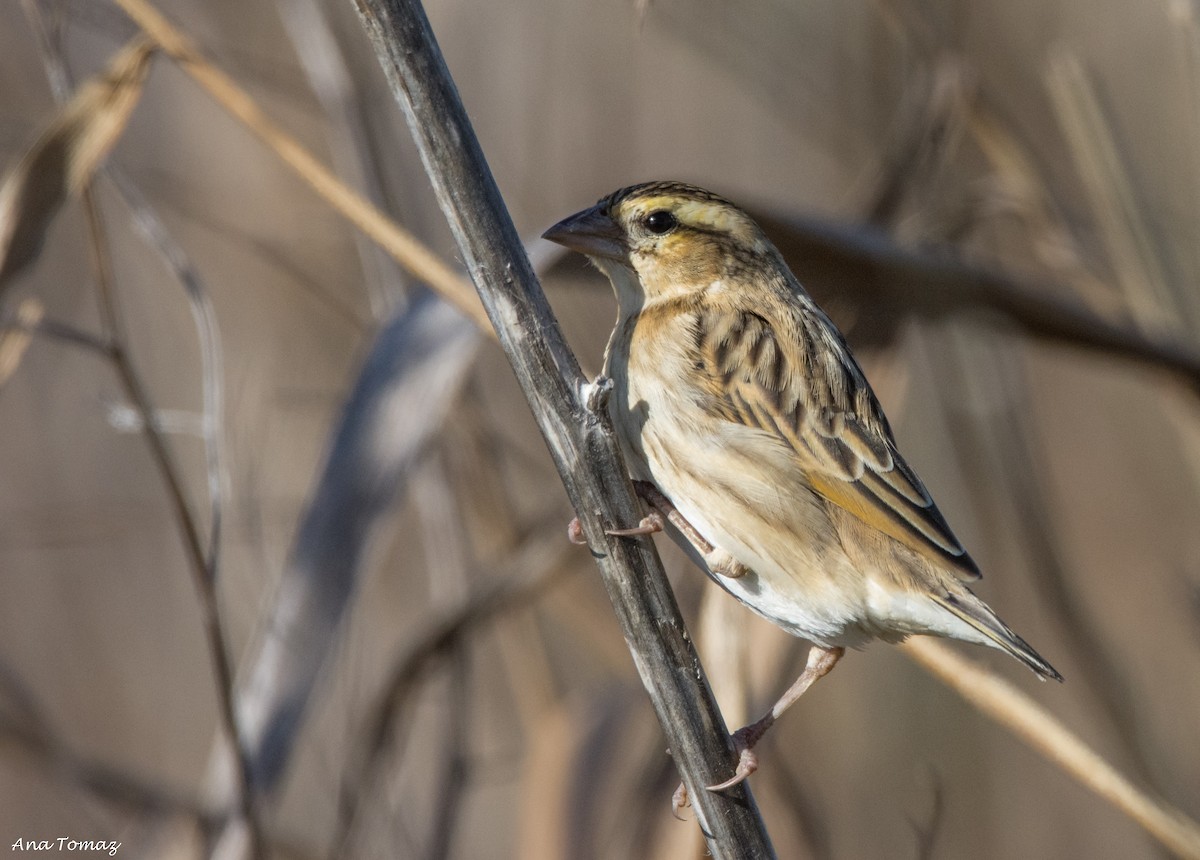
(59, 331)
(202, 558)
(581, 441)
(397, 241)
(446, 541)
(106, 783)
(455, 775)
(212, 379)
(926, 831)
(1026, 719)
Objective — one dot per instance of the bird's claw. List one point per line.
(747, 764)
(680, 801)
(652, 523)
(743, 741)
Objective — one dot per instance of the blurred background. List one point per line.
(999, 203)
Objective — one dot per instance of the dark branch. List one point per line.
(580, 441)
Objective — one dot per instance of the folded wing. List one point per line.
(796, 379)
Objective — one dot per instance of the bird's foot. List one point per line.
(680, 801)
(744, 740)
(652, 523)
(719, 561)
(575, 532)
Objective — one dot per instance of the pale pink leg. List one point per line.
(718, 560)
(820, 663)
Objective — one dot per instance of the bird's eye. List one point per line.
(660, 222)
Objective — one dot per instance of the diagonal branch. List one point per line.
(397, 241)
(1026, 719)
(579, 437)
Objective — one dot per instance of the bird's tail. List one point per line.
(974, 612)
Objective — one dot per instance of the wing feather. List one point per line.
(795, 379)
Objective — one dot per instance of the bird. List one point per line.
(758, 444)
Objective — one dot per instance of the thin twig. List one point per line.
(1030, 722)
(64, 332)
(16, 338)
(397, 241)
(99, 780)
(997, 452)
(201, 563)
(212, 380)
(202, 558)
(446, 541)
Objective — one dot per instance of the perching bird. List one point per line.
(747, 423)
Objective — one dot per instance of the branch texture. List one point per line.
(580, 439)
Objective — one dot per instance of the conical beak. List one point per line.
(589, 232)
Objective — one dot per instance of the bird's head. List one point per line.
(663, 239)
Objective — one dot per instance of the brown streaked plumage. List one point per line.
(736, 396)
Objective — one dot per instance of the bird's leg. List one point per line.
(650, 524)
(718, 560)
(820, 663)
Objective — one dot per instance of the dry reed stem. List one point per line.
(405, 248)
(61, 163)
(1157, 302)
(1031, 723)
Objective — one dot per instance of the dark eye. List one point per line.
(660, 222)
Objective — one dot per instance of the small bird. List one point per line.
(753, 435)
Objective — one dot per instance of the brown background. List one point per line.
(955, 126)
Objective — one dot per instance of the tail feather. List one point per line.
(973, 611)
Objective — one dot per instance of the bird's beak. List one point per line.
(590, 232)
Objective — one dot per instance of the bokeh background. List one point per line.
(461, 689)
